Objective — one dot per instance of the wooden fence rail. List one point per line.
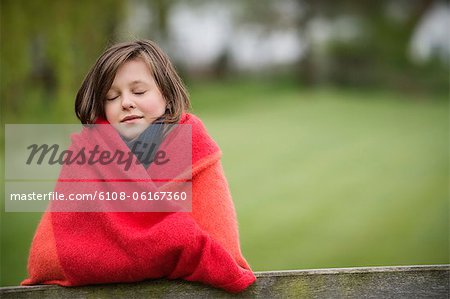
(431, 281)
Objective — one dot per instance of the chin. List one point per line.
(130, 133)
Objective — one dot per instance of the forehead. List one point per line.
(132, 71)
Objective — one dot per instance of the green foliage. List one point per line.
(379, 58)
(47, 48)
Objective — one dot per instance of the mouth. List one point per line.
(130, 118)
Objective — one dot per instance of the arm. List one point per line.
(213, 207)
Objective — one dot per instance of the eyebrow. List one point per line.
(135, 82)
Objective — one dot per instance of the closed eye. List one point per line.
(140, 92)
(111, 99)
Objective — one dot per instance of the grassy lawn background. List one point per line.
(320, 177)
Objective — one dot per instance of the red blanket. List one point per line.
(75, 248)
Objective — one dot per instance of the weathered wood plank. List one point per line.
(368, 282)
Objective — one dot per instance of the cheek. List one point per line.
(110, 112)
(155, 107)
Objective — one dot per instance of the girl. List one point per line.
(132, 87)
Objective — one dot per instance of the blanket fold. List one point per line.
(76, 248)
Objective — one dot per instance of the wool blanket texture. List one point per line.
(84, 248)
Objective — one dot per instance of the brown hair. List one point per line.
(89, 103)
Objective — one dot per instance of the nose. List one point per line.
(127, 102)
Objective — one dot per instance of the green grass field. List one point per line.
(320, 177)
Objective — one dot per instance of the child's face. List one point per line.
(134, 100)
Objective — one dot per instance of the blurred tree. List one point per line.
(376, 55)
(46, 49)
(380, 55)
(162, 11)
(47, 46)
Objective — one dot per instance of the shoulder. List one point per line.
(203, 145)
